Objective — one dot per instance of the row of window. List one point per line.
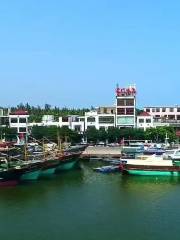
(144, 120)
(125, 102)
(162, 109)
(105, 120)
(21, 120)
(125, 111)
(171, 117)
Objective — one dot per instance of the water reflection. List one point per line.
(149, 186)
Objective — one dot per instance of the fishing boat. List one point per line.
(151, 151)
(49, 167)
(67, 161)
(9, 175)
(32, 170)
(152, 166)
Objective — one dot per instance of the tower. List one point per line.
(126, 106)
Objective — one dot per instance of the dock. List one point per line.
(101, 152)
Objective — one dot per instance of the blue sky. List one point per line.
(73, 52)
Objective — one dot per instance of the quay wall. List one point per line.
(101, 151)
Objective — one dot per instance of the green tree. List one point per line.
(92, 134)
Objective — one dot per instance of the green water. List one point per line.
(85, 205)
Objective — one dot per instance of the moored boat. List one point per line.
(67, 161)
(153, 170)
(32, 170)
(49, 167)
(151, 166)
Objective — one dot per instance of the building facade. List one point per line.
(126, 107)
(19, 121)
(145, 121)
(165, 116)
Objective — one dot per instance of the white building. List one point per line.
(126, 107)
(166, 113)
(165, 116)
(94, 119)
(144, 121)
(19, 120)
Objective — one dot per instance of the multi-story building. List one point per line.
(4, 117)
(94, 119)
(126, 107)
(144, 121)
(166, 113)
(169, 116)
(19, 120)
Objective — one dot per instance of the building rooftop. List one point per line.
(19, 112)
(144, 114)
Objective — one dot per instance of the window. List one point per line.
(178, 117)
(105, 110)
(163, 109)
(14, 120)
(112, 111)
(120, 111)
(107, 119)
(141, 120)
(148, 120)
(91, 127)
(77, 128)
(171, 109)
(147, 110)
(129, 102)
(157, 109)
(22, 120)
(171, 117)
(64, 119)
(153, 109)
(22, 130)
(120, 102)
(91, 119)
(157, 116)
(178, 109)
(102, 128)
(81, 119)
(129, 111)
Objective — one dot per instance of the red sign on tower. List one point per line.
(131, 91)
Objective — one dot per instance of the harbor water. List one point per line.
(85, 205)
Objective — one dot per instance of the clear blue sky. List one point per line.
(73, 52)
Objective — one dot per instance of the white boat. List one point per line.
(152, 160)
(173, 154)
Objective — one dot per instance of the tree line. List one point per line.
(36, 112)
(112, 135)
(118, 135)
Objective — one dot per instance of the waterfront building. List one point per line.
(19, 120)
(165, 116)
(4, 117)
(144, 121)
(73, 122)
(126, 107)
(99, 121)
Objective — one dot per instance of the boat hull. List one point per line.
(47, 172)
(151, 170)
(30, 176)
(153, 173)
(67, 165)
(8, 183)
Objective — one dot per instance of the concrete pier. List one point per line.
(101, 152)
